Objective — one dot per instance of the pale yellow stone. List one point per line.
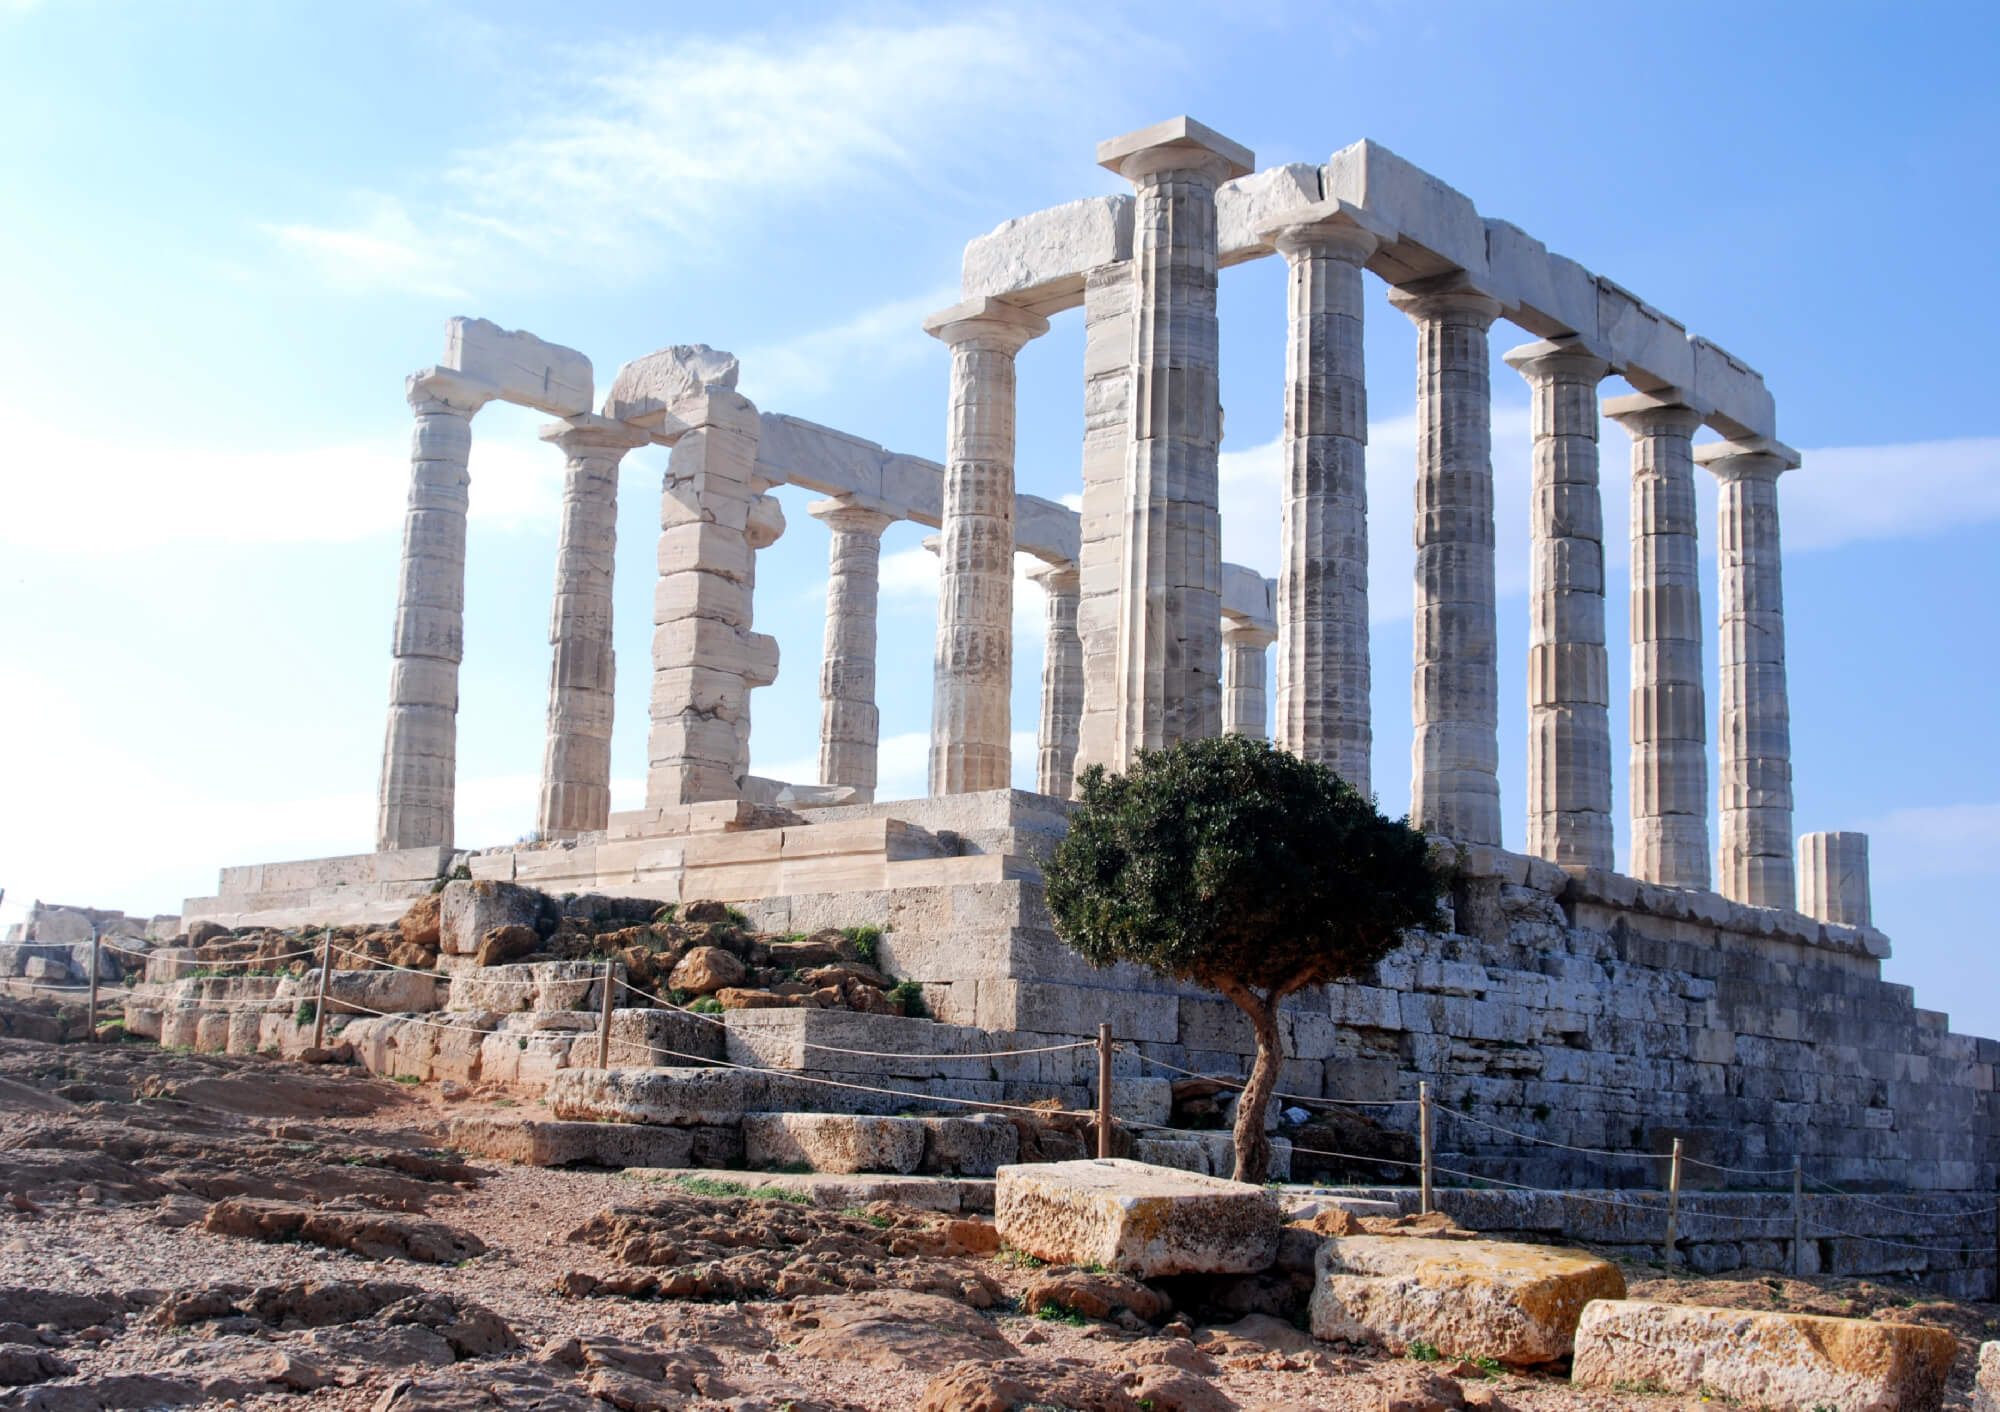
(1136, 1219)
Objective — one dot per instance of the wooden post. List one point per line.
(319, 1004)
(1798, 1217)
(93, 983)
(1424, 1143)
(1674, 1205)
(604, 1023)
(1104, 1090)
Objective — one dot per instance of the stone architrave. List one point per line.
(850, 724)
(1169, 635)
(576, 760)
(1569, 673)
(1833, 878)
(1754, 745)
(1455, 686)
(1244, 698)
(1669, 715)
(1107, 402)
(974, 666)
(1322, 596)
(705, 657)
(1062, 682)
(420, 749)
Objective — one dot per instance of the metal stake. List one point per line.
(1104, 1090)
(1674, 1205)
(1424, 1141)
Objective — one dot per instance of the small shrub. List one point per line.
(521, 1042)
(1019, 1259)
(462, 873)
(408, 1079)
(307, 1012)
(707, 1005)
(911, 994)
(1542, 1112)
(780, 1193)
(1424, 1352)
(1058, 1312)
(737, 919)
(866, 940)
(710, 1186)
(681, 999)
(881, 1223)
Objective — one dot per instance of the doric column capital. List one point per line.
(1057, 578)
(1331, 229)
(853, 514)
(1248, 633)
(986, 325)
(588, 432)
(1557, 360)
(1176, 145)
(444, 390)
(1650, 414)
(1448, 296)
(1757, 458)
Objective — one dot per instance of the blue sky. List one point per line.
(233, 228)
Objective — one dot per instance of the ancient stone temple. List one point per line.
(1727, 991)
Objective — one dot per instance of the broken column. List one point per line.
(576, 759)
(1569, 688)
(850, 724)
(1062, 682)
(974, 666)
(1169, 637)
(1833, 878)
(1754, 749)
(1244, 700)
(1669, 724)
(1455, 686)
(420, 751)
(1323, 669)
(1107, 397)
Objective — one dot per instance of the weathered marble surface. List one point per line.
(1062, 681)
(1136, 1219)
(1833, 878)
(850, 721)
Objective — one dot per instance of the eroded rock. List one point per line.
(1136, 1219)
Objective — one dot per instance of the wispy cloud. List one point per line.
(802, 370)
(656, 149)
(1848, 494)
(1935, 841)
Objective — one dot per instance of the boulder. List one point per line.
(469, 910)
(983, 1385)
(504, 944)
(705, 970)
(419, 925)
(705, 913)
(1471, 1298)
(202, 933)
(734, 999)
(1986, 1391)
(1764, 1358)
(1136, 1219)
(893, 1329)
(833, 1142)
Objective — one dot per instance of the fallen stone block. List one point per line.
(1470, 1298)
(833, 1142)
(534, 1143)
(976, 1146)
(1762, 1358)
(670, 1097)
(1986, 1391)
(469, 910)
(1136, 1219)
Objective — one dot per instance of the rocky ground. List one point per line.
(182, 1230)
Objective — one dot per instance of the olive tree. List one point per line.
(1246, 870)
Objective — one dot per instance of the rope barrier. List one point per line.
(1298, 1098)
(129, 951)
(1830, 1188)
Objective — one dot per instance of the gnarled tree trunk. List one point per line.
(1253, 1144)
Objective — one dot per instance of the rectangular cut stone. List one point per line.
(525, 369)
(534, 1143)
(1986, 1391)
(1136, 1219)
(833, 1142)
(1647, 346)
(1039, 260)
(1467, 1298)
(1245, 206)
(1764, 1358)
(1442, 223)
(1743, 406)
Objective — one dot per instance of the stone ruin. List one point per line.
(1738, 1007)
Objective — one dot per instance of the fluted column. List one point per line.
(1323, 669)
(1669, 716)
(1062, 681)
(1107, 401)
(576, 757)
(1754, 746)
(850, 725)
(1170, 609)
(1244, 702)
(1833, 878)
(974, 666)
(1455, 685)
(420, 747)
(1569, 674)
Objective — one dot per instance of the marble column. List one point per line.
(764, 526)
(420, 748)
(850, 725)
(1455, 685)
(1669, 768)
(1754, 745)
(1244, 702)
(1107, 401)
(1062, 682)
(974, 666)
(576, 758)
(1569, 673)
(1323, 668)
(1833, 878)
(1169, 637)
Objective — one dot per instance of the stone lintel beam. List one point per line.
(447, 389)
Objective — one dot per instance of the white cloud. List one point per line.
(619, 157)
(808, 367)
(1934, 841)
(1846, 494)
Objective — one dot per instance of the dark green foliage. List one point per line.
(1228, 859)
(866, 938)
(911, 994)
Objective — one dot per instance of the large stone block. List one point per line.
(1040, 259)
(1516, 1303)
(1136, 1219)
(1441, 222)
(975, 1146)
(541, 1144)
(1986, 1391)
(668, 385)
(469, 910)
(522, 367)
(833, 1142)
(1761, 1358)
(674, 1098)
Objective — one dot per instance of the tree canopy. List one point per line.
(1235, 866)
